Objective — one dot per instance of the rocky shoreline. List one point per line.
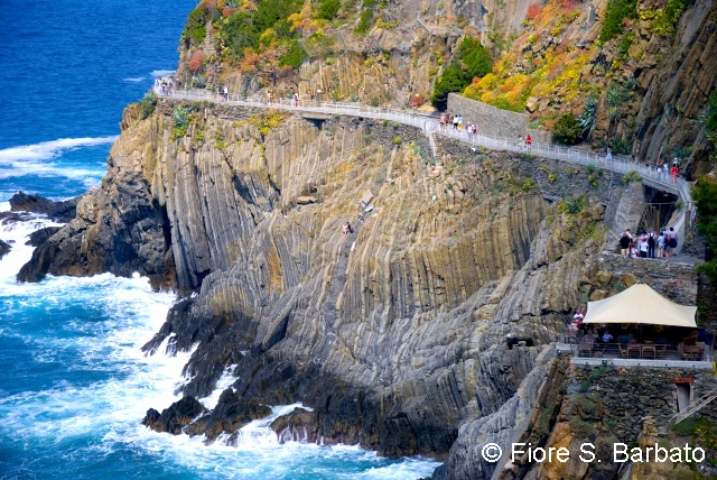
(394, 335)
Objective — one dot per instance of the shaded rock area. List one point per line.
(38, 237)
(174, 418)
(232, 413)
(12, 217)
(61, 212)
(4, 248)
(298, 426)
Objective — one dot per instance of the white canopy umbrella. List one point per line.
(640, 304)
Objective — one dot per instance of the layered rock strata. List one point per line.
(429, 316)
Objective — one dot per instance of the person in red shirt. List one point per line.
(528, 142)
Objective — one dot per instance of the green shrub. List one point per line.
(365, 22)
(294, 57)
(704, 194)
(617, 11)
(586, 404)
(567, 129)
(686, 427)
(243, 29)
(327, 9)
(195, 27)
(573, 205)
(588, 117)
(147, 105)
(665, 20)
(631, 176)
(471, 59)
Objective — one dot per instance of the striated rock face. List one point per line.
(424, 325)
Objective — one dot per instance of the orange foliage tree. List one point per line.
(196, 62)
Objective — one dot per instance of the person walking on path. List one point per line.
(608, 155)
(296, 99)
(528, 143)
(651, 245)
(625, 244)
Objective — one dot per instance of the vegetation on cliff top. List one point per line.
(704, 194)
(470, 60)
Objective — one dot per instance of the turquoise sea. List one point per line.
(74, 384)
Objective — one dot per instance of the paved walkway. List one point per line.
(431, 127)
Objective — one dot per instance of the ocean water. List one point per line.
(74, 384)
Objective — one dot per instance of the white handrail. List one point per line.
(428, 123)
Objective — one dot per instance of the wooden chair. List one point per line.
(649, 351)
(660, 350)
(623, 349)
(634, 350)
(586, 346)
(599, 350)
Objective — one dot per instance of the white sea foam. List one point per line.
(223, 383)
(133, 79)
(46, 150)
(109, 411)
(16, 234)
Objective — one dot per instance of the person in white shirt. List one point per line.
(642, 245)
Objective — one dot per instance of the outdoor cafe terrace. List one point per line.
(587, 350)
(638, 327)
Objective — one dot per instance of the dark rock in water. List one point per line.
(299, 425)
(117, 229)
(36, 269)
(174, 418)
(58, 211)
(39, 237)
(4, 248)
(231, 413)
(12, 217)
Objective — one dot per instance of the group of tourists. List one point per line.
(455, 122)
(165, 84)
(525, 145)
(648, 244)
(664, 170)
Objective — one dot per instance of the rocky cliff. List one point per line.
(425, 329)
(431, 313)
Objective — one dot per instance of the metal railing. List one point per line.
(430, 124)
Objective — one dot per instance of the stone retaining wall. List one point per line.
(676, 281)
(493, 121)
(625, 396)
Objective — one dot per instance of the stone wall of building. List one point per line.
(625, 396)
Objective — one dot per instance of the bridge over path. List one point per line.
(431, 127)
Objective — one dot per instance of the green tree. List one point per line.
(567, 129)
(617, 11)
(471, 59)
(704, 194)
(328, 9)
